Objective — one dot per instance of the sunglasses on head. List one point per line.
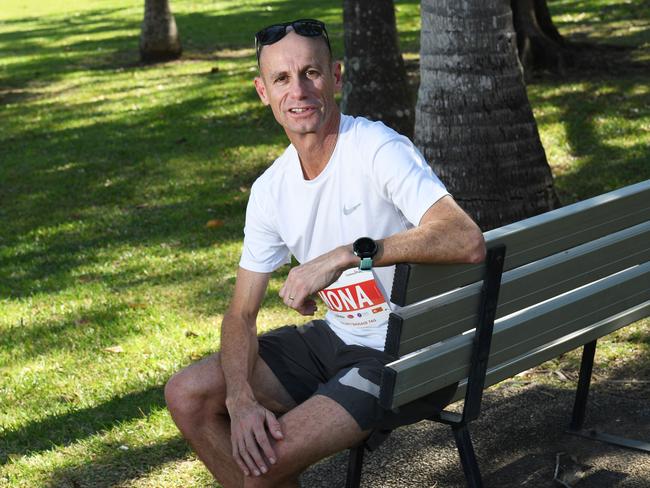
(303, 27)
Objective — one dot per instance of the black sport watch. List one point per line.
(365, 248)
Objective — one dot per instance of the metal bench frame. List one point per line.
(553, 282)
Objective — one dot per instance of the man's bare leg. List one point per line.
(313, 430)
(196, 400)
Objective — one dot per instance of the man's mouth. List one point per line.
(300, 110)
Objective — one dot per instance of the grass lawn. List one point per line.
(122, 194)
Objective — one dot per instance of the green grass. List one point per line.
(595, 122)
(110, 170)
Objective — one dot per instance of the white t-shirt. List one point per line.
(375, 184)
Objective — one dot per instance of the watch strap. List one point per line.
(366, 263)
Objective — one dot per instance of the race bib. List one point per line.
(356, 300)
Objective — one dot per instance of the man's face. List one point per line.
(298, 81)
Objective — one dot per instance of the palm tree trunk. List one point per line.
(474, 122)
(375, 84)
(159, 40)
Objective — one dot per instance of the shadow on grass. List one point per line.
(113, 466)
(100, 196)
(605, 164)
(49, 263)
(99, 174)
(600, 17)
(611, 89)
(49, 53)
(69, 333)
(66, 429)
(82, 169)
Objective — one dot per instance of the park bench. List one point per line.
(549, 284)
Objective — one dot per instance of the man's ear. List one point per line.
(338, 76)
(260, 87)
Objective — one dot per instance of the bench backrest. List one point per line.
(570, 276)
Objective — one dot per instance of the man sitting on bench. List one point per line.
(265, 408)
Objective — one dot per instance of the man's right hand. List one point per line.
(311, 277)
(250, 424)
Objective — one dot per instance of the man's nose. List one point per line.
(298, 87)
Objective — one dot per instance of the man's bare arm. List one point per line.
(249, 420)
(445, 234)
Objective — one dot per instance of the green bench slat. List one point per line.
(532, 239)
(444, 363)
(436, 319)
(553, 349)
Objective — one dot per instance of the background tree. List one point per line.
(375, 83)
(159, 40)
(473, 120)
(539, 43)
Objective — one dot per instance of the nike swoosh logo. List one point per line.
(348, 211)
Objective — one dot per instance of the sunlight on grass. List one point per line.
(594, 133)
(111, 278)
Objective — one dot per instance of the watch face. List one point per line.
(365, 247)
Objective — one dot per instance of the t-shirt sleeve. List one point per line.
(264, 250)
(404, 177)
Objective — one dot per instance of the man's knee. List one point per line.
(196, 388)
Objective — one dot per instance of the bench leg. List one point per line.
(355, 462)
(467, 456)
(580, 405)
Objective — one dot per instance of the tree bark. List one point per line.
(159, 39)
(539, 43)
(375, 83)
(473, 120)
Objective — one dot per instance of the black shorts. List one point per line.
(312, 360)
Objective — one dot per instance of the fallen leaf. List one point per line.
(137, 305)
(189, 333)
(115, 349)
(214, 223)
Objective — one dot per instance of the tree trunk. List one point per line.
(159, 40)
(375, 83)
(539, 43)
(473, 121)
